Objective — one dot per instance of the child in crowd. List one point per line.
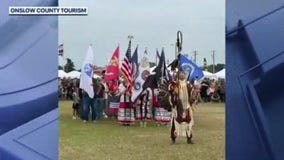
(76, 102)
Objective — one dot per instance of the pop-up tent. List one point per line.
(207, 74)
(74, 74)
(62, 74)
(221, 74)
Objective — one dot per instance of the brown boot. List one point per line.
(173, 141)
(189, 140)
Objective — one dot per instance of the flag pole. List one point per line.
(156, 56)
(163, 69)
(179, 48)
(130, 37)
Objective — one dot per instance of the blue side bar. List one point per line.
(37, 139)
(254, 105)
(28, 83)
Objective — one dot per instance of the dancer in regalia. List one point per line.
(182, 115)
(161, 115)
(144, 107)
(125, 111)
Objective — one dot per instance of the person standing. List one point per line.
(113, 98)
(144, 107)
(125, 111)
(88, 102)
(76, 103)
(105, 98)
(182, 114)
(98, 98)
(161, 115)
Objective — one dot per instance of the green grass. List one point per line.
(107, 140)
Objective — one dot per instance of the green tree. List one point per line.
(152, 64)
(60, 68)
(218, 67)
(69, 66)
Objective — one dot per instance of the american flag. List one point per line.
(134, 64)
(126, 68)
(60, 50)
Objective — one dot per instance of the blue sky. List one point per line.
(152, 23)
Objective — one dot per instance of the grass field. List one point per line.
(107, 140)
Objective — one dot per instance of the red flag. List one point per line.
(112, 70)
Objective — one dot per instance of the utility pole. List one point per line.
(194, 56)
(213, 57)
(205, 64)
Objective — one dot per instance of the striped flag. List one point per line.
(134, 63)
(60, 50)
(126, 68)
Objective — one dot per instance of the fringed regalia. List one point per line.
(144, 106)
(175, 97)
(182, 115)
(161, 115)
(125, 110)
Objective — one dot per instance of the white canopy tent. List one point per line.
(62, 74)
(221, 74)
(209, 75)
(74, 74)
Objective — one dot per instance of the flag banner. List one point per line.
(144, 69)
(159, 72)
(86, 79)
(134, 62)
(126, 68)
(192, 71)
(112, 70)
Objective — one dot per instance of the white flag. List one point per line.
(86, 81)
(144, 69)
